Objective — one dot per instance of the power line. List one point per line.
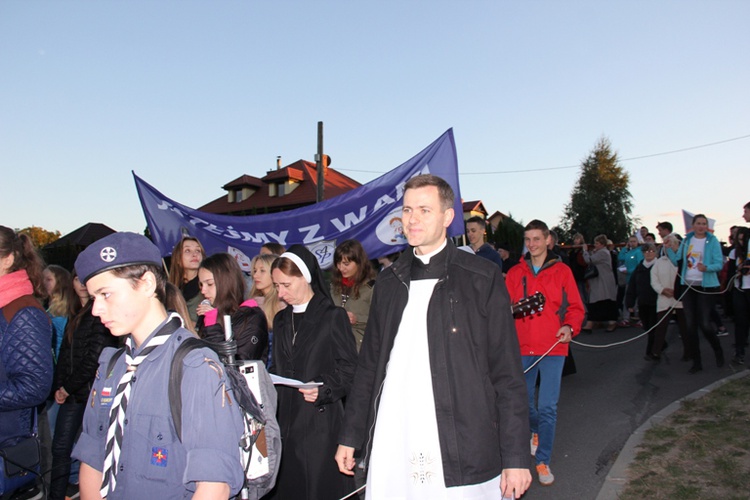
(622, 159)
(545, 169)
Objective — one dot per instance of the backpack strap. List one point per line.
(113, 360)
(175, 380)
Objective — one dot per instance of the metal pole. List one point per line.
(319, 165)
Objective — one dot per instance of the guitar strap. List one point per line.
(523, 281)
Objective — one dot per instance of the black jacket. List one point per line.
(639, 287)
(480, 392)
(250, 330)
(77, 364)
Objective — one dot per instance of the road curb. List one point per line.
(617, 476)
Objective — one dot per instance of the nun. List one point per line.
(313, 342)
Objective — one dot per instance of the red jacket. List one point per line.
(537, 333)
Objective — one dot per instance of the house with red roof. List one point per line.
(287, 188)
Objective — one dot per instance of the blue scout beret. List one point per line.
(116, 250)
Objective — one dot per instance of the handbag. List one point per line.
(591, 272)
(20, 462)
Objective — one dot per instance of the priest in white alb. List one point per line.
(439, 408)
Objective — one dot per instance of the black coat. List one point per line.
(480, 393)
(250, 329)
(78, 361)
(324, 351)
(639, 288)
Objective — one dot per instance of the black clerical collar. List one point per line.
(435, 269)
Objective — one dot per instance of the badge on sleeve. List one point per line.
(105, 397)
(159, 456)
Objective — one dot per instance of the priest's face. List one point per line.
(424, 218)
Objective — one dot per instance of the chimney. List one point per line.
(278, 163)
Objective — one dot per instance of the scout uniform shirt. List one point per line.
(153, 462)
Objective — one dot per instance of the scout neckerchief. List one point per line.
(120, 403)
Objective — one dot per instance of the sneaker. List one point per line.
(534, 443)
(723, 332)
(545, 475)
(623, 324)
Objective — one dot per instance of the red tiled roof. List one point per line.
(474, 206)
(244, 180)
(303, 171)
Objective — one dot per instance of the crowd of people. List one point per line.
(425, 376)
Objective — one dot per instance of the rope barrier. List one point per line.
(688, 287)
(350, 495)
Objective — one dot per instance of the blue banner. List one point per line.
(370, 214)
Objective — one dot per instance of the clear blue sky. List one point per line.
(192, 94)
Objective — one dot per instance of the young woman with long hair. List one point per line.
(187, 256)
(264, 293)
(700, 260)
(25, 338)
(351, 285)
(223, 285)
(61, 300)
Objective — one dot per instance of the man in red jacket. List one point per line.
(544, 336)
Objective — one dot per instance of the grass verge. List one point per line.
(701, 451)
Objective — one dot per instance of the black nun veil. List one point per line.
(316, 274)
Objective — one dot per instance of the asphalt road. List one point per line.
(613, 392)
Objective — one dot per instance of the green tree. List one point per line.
(40, 236)
(601, 202)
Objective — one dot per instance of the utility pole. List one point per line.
(319, 165)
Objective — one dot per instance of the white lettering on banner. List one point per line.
(280, 238)
(165, 205)
(382, 201)
(255, 238)
(213, 228)
(350, 220)
(312, 234)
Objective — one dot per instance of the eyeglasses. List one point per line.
(650, 251)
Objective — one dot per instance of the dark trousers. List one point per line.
(660, 333)
(741, 300)
(69, 420)
(698, 302)
(647, 313)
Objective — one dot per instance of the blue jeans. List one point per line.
(69, 419)
(543, 409)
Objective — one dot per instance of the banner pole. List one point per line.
(319, 165)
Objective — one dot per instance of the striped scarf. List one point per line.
(120, 403)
